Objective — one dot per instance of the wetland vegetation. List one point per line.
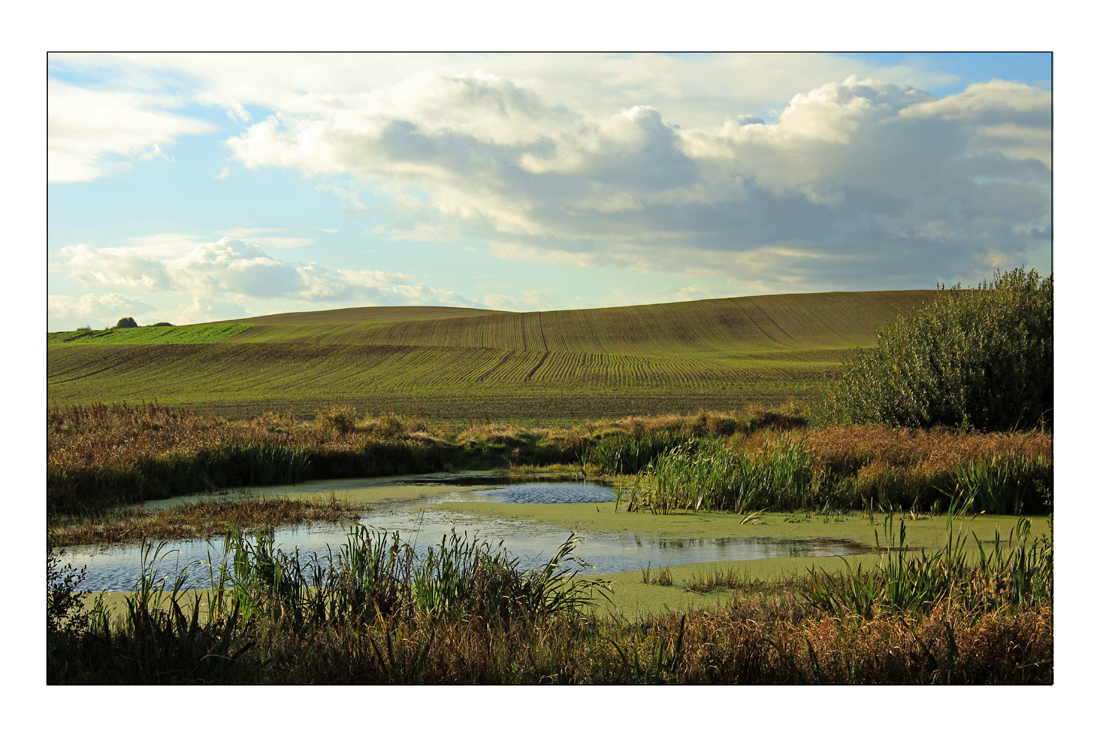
(946, 417)
(469, 615)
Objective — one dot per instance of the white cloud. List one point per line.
(200, 310)
(115, 267)
(249, 235)
(88, 131)
(841, 164)
(648, 161)
(235, 271)
(64, 312)
(696, 92)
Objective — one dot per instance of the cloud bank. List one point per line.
(847, 177)
(227, 271)
(92, 133)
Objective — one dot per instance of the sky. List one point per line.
(189, 188)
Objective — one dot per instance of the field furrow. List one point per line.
(443, 362)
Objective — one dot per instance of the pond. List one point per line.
(424, 521)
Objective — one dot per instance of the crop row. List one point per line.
(738, 325)
(297, 368)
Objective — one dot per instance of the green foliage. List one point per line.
(981, 359)
(64, 603)
(1006, 485)
(126, 323)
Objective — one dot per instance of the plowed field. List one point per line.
(450, 364)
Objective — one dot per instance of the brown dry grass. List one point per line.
(747, 642)
(847, 449)
(89, 447)
(197, 520)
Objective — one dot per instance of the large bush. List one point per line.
(975, 358)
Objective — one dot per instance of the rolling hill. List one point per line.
(458, 364)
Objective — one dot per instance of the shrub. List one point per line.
(126, 323)
(981, 359)
(64, 603)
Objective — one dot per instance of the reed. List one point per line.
(628, 453)
(1006, 485)
(102, 457)
(713, 477)
(1012, 574)
(772, 637)
(663, 578)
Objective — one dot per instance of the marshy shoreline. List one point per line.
(943, 614)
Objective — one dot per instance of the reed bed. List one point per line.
(898, 470)
(1016, 572)
(374, 615)
(103, 456)
(109, 456)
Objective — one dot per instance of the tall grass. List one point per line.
(628, 453)
(712, 477)
(1007, 485)
(100, 457)
(375, 573)
(786, 472)
(289, 624)
(1015, 573)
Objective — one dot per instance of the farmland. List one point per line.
(453, 364)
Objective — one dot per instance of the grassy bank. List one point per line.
(200, 520)
(103, 457)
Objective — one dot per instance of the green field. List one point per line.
(455, 364)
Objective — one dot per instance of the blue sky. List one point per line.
(197, 187)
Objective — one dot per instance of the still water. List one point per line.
(425, 521)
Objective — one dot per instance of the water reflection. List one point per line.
(117, 568)
(550, 493)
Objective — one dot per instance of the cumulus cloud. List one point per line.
(91, 133)
(234, 271)
(841, 166)
(649, 161)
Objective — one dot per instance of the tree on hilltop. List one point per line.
(126, 323)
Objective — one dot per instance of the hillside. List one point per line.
(459, 364)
